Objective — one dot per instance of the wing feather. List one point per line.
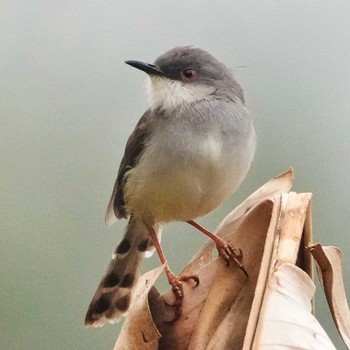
(134, 147)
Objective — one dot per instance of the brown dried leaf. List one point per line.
(294, 211)
(139, 330)
(287, 231)
(331, 278)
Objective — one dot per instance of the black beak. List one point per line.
(146, 67)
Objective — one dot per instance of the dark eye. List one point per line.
(188, 74)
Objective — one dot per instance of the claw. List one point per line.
(176, 286)
(229, 253)
(226, 251)
(187, 278)
(238, 253)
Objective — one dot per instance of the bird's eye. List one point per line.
(188, 74)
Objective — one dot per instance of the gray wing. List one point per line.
(133, 149)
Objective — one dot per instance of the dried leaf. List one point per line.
(222, 289)
(139, 330)
(294, 210)
(287, 227)
(286, 320)
(330, 275)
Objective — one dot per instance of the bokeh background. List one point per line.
(68, 104)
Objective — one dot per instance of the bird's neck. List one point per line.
(167, 95)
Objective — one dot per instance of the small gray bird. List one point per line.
(189, 151)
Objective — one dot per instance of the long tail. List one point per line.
(114, 293)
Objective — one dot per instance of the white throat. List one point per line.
(170, 94)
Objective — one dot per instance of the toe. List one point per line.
(187, 278)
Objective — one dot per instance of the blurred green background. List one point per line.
(68, 104)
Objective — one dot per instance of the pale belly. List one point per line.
(177, 186)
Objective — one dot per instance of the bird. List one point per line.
(189, 152)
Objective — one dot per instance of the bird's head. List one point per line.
(184, 75)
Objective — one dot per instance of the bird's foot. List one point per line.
(230, 253)
(226, 251)
(177, 288)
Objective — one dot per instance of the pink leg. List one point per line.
(174, 281)
(226, 251)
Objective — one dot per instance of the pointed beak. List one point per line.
(148, 68)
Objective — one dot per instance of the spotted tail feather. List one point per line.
(114, 293)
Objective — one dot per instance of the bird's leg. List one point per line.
(174, 281)
(226, 251)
